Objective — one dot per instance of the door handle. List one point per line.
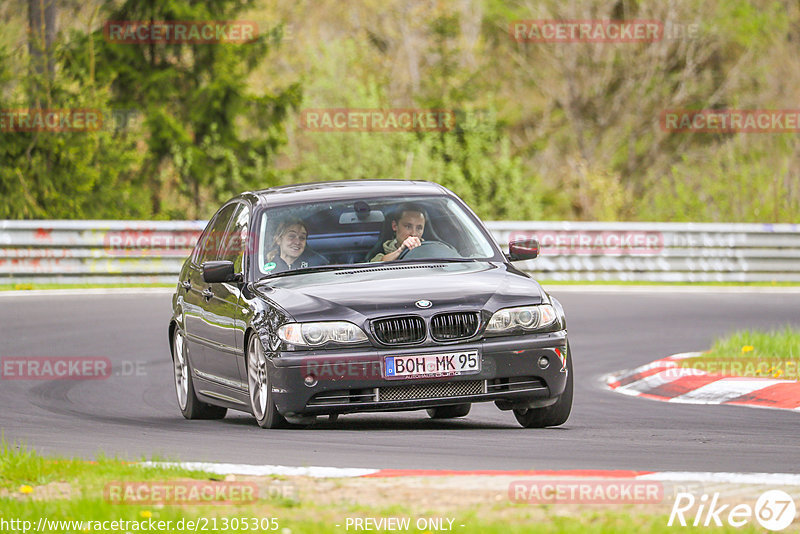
(186, 285)
(207, 294)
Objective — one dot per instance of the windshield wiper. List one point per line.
(342, 266)
(433, 260)
(304, 270)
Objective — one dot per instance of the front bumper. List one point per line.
(353, 380)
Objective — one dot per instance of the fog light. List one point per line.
(310, 381)
(544, 362)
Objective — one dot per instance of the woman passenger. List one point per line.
(289, 249)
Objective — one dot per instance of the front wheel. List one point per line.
(555, 414)
(191, 407)
(260, 387)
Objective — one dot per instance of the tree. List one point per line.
(208, 135)
(66, 174)
(42, 16)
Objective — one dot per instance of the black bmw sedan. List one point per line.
(341, 297)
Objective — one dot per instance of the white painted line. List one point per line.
(89, 291)
(659, 379)
(661, 364)
(723, 390)
(684, 355)
(266, 470)
(629, 392)
(717, 392)
(777, 479)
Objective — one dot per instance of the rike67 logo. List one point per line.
(774, 510)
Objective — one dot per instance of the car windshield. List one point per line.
(305, 237)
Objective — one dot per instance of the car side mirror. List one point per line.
(215, 272)
(523, 249)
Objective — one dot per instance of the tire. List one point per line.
(259, 387)
(191, 407)
(449, 412)
(555, 414)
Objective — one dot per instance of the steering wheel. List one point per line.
(430, 249)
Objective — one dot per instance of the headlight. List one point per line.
(316, 334)
(508, 320)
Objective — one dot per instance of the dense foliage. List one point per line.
(553, 131)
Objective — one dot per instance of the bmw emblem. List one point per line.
(423, 304)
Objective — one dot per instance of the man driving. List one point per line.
(408, 224)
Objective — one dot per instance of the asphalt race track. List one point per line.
(134, 416)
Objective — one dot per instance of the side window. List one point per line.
(236, 238)
(201, 242)
(213, 236)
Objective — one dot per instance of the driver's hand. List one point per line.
(411, 242)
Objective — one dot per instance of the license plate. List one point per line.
(433, 365)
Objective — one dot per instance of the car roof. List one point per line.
(344, 190)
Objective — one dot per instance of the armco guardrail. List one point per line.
(95, 251)
(660, 252)
(153, 251)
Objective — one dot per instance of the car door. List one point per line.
(224, 310)
(200, 333)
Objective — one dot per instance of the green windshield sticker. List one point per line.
(271, 265)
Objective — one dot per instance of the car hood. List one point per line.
(383, 290)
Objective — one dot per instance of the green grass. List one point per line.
(312, 523)
(775, 354)
(24, 475)
(21, 466)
